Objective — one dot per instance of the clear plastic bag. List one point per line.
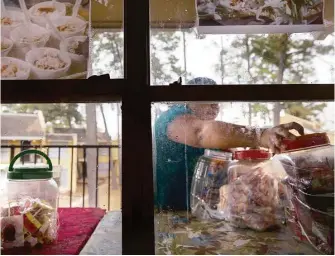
(27, 223)
(254, 200)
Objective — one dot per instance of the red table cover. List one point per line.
(76, 227)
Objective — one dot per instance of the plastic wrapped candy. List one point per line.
(254, 200)
(28, 223)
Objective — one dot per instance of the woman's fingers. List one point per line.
(293, 126)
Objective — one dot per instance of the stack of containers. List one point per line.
(309, 164)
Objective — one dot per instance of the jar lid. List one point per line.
(251, 154)
(25, 172)
(306, 141)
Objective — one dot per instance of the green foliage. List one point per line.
(280, 58)
(59, 114)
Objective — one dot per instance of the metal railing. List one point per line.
(114, 181)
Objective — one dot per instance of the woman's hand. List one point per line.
(272, 138)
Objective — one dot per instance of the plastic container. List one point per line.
(32, 205)
(309, 161)
(317, 226)
(15, 69)
(50, 8)
(52, 54)
(244, 161)
(210, 175)
(6, 46)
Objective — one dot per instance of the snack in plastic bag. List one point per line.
(253, 200)
(28, 223)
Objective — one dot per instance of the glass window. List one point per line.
(61, 44)
(241, 43)
(62, 131)
(196, 150)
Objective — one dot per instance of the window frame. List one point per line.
(136, 94)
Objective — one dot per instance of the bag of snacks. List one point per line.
(254, 200)
(28, 223)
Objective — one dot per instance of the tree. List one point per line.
(59, 115)
(283, 58)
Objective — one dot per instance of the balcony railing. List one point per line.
(71, 163)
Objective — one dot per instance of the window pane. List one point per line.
(60, 45)
(206, 201)
(62, 131)
(233, 46)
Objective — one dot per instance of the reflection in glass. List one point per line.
(195, 176)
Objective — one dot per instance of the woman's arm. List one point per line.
(190, 130)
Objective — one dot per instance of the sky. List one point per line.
(202, 55)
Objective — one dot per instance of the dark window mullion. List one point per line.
(137, 176)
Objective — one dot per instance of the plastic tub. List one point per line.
(30, 215)
(53, 10)
(23, 69)
(78, 61)
(56, 63)
(8, 24)
(6, 46)
(26, 37)
(244, 161)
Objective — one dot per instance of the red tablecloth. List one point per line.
(76, 227)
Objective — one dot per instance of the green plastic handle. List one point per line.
(30, 151)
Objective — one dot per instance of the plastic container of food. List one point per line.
(6, 46)
(74, 47)
(210, 175)
(14, 69)
(27, 37)
(11, 21)
(321, 202)
(68, 27)
(309, 162)
(244, 161)
(49, 8)
(30, 215)
(48, 63)
(317, 226)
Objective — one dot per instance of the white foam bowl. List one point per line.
(18, 19)
(24, 68)
(20, 49)
(8, 42)
(65, 44)
(39, 19)
(80, 25)
(38, 53)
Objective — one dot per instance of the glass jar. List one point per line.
(211, 173)
(31, 210)
(244, 161)
(309, 165)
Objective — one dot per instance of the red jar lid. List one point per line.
(251, 154)
(306, 141)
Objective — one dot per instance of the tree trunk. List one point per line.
(185, 58)
(104, 120)
(221, 61)
(280, 77)
(91, 139)
(249, 114)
